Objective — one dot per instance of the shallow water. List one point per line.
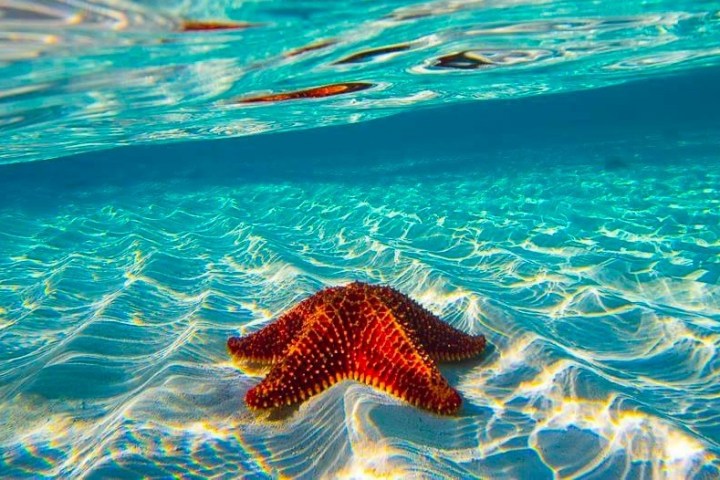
(579, 231)
(83, 75)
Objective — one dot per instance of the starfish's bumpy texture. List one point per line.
(372, 334)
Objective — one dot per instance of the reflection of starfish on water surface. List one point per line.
(372, 334)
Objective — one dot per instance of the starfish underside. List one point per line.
(372, 334)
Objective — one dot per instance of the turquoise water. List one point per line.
(84, 75)
(543, 172)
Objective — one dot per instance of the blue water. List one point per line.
(546, 173)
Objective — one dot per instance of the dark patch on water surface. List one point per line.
(463, 60)
(303, 13)
(310, 48)
(367, 55)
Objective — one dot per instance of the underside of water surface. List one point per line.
(78, 75)
(558, 192)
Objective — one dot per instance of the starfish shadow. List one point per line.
(281, 413)
(454, 372)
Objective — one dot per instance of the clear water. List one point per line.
(560, 194)
(83, 75)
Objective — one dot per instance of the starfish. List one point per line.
(368, 333)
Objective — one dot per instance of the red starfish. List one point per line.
(373, 334)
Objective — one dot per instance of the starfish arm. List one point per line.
(268, 344)
(315, 360)
(387, 357)
(441, 341)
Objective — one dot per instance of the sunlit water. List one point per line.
(80, 75)
(577, 227)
